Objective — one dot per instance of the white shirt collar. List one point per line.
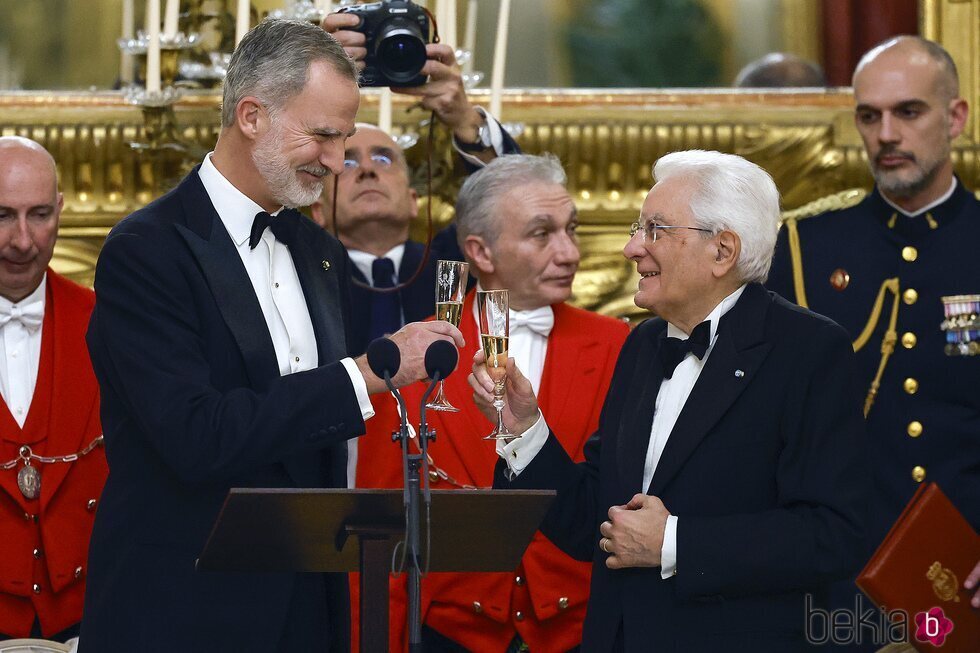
(714, 316)
(945, 196)
(236, 210)
(38, 295)
(363, 260)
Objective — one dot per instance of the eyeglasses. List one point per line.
(651, 228)
(381, 160)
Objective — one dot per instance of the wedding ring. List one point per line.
(604, 544)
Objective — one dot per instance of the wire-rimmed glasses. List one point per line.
(650, 228)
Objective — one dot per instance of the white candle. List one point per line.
(153, 47)
(384, 110)
(469, 36)
(241, 20)
(170, 19)
(450, 18)
(126, 61)
(499, 59)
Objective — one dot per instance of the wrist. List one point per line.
(473, 135)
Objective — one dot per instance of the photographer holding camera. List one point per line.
(477, 136)
(375, 202)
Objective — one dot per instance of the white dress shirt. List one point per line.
(20, 355)
(273, 275)
(363, 261)
(671, 397)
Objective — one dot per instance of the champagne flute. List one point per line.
(494, 313)
(450, 288)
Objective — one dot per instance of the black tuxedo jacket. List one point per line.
(192, 405)
(763, 470)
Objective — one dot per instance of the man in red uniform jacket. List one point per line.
(517, 229)
(50, 412)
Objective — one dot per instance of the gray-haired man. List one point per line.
(218, 339)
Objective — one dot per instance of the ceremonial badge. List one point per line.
(961, 325)
(29, 481)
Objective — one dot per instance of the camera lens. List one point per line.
(400, 51)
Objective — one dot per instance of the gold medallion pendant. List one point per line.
(29, 481)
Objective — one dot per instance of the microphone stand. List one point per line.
(416, 484)
(415, 470)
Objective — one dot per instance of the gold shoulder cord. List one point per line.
(890, 285)
(887, 342)
(796, 256)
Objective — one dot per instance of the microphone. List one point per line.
(440, 359)
(384, 359)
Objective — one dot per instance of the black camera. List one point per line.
(395, 32)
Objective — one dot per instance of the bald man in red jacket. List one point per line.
(517, 228)
(52, 466)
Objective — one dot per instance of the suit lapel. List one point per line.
(572, 354)
(319, 278)
(639, 406)
(71, 402)
(230, 285)
(740, 347)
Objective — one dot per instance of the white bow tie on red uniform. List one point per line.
(540, 320)
(31, 315)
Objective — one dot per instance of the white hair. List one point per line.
(730, 194)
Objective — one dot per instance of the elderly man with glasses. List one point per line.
(723, 485)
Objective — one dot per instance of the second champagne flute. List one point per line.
(493, 309)
(450, 288)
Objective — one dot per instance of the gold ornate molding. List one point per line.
(606, 139)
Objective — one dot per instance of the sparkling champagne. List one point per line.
(495, 348)
(449, 312)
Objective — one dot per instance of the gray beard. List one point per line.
(281, 179)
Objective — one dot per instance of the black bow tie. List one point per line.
(674, 350)
(283, 227)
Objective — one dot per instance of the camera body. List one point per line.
(395, 32)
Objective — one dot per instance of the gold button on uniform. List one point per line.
(477, 608)
(563, 603)
(909, 340)
(915, 429)
(90, 506)
(910, 296)
(37, 554)
(519, 580)
(78, 572)
(918, 473)
(910, 253)
(911, 386)
(519, 615)
(37, 588)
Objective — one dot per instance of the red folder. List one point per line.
(920, 567)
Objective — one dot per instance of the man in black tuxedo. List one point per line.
(725, 480)
(219, 342)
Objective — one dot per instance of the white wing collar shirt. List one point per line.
(20, 350)
(671, 397)
(273, 275)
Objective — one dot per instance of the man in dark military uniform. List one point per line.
(880, 265)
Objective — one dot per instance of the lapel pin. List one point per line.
(739, 374)
(325, 263)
